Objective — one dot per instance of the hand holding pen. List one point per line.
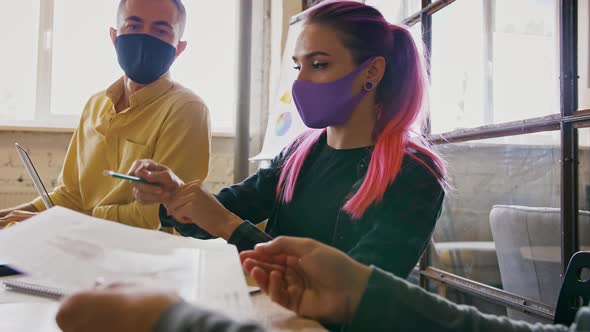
(160, 182)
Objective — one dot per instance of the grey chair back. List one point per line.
(527, 241)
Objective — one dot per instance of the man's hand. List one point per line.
(308, 277)
(4, 213)
(194, 204)
(16, 216)
(117, 308)
(17, 213)
(167, 182)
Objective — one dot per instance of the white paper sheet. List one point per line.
(70, 250)
(28, 317)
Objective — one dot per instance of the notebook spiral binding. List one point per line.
(33, 289)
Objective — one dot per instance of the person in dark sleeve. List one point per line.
(313, 280)
(357, 181)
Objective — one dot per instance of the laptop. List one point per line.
(34, 176)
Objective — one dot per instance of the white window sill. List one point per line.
(39, 127)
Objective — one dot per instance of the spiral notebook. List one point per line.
(35, 289)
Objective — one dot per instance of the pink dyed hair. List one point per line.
(400, 96)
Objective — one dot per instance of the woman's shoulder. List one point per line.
(421, 166)
(418, 185)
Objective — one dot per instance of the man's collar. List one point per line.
(145, 95)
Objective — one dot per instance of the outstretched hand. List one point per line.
(312, 279)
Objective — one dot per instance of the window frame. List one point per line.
(566, 121)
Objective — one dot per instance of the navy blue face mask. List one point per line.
(144, 58)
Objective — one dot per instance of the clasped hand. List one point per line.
(186, 202)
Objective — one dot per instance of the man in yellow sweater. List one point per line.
(144, 115)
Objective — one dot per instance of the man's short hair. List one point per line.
(179, 7)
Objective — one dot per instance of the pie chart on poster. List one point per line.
(284, 122)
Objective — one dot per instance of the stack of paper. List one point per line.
(64, 249)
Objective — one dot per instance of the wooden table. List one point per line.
(268, 314)
(276, 318)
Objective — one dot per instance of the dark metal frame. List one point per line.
(489, 293)
(567, 122)
(569, 134)
(426, 20)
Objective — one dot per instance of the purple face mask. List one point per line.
(321, 105)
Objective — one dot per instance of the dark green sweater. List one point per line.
(392, 234)
(388, 304)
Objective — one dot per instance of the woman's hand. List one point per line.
(165, 182)
(194, 204)
(310, 278)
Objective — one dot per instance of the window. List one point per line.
(503, 68)
(457, 91)
(491, 180)
(84, 60)
(397, 11)
(209, 64)
(18, 59)
(525, 82)
(50, 86)
(504, 235)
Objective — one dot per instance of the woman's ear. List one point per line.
(376, 70)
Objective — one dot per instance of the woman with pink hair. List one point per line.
(358, 180)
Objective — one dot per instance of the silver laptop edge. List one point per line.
(24, 156)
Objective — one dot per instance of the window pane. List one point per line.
(499, 220)
(84, 58)
(525, 59)
(457, 61)
(18, 60)
(583, 194)
(397, 11)
(208, 66)
(584, 54)
(584, 188)
(487, 65)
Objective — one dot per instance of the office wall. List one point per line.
(47, 150)
(289, 8)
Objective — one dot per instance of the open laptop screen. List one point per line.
(34, 176)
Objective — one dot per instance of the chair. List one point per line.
(528, 248)
(575, 290)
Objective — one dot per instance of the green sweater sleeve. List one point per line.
(184, 317)
(392, 304)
